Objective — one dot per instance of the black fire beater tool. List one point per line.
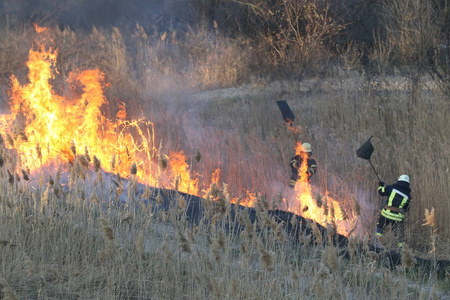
(365, 152)
(287, 113)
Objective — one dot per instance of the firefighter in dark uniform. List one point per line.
(398, 201)
(296, 163)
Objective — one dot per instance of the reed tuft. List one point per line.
(408, 259)
(86, 154)
(159, 198)
(352, 247)
(133, 169)
(83, 161)
(326, 207)
(181, 201)
(10, 177)
(331, 231)
(73, 148)
(356, 207)
(25, 176)
(51, 182)
(113, 163)
(108, 232)
(316, 232)
(10, 140)
(319, 200)
(294, 221)
(344, 214)
(266, 258)
(279, 233)
(39, 152)
(332, 258)
(147, 193)
(429, 217)
(184, 242)
(97, 164)
(163, 162)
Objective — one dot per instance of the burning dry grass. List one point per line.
(72, 242)
(241, 136)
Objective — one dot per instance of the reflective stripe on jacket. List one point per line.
(399, 198)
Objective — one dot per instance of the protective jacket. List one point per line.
(398, 200)
(295, 164)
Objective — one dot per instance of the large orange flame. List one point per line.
(44, 127)
(321, 208)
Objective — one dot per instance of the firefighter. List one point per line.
(398, 201)
(296, 163)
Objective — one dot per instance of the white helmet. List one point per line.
(404, 178)
(307, 147)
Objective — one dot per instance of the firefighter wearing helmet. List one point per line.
(397, 203)
(296, 163)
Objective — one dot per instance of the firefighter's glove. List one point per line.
(381, 183)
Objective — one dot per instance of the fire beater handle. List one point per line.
(374, 170)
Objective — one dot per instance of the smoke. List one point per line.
(182, 121)
(134, 75)
(151, 14)
(159, 96)
(369, 209)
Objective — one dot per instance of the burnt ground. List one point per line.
(295, 226)
(195, 211)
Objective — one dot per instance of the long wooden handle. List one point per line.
(374, 170)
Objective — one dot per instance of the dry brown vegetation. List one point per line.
(74, 244)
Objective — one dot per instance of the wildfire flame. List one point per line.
(44, 129)
(322, 209)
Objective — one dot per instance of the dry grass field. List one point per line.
(76, 227)
(61, 242)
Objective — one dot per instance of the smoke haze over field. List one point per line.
(362, 17)
(101, 13)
